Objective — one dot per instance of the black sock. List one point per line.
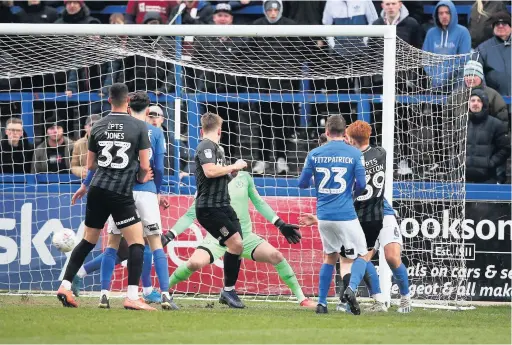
(367, 280)
(77, 258)
(135, 260)
(346, 283)
(231, 268)
(122, 251)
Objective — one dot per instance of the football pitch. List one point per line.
(44, 320)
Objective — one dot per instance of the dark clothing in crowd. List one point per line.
(37, 14)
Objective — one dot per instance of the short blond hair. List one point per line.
(210, 122)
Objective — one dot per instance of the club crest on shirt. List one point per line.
(208, 153)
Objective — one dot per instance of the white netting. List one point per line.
(275, 94)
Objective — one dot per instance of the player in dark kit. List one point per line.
(119, 152)
(380, 228)
(213, 209)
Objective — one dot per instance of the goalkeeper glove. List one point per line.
(168, 237)
(289, 231)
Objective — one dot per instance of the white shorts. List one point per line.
(390, 233)
(348, 234)
(149, 211)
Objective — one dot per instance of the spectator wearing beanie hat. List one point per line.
(474, 78)
(76, 12)
(495, 57)
(54, 154)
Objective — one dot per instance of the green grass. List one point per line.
(44, 320)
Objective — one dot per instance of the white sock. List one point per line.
(132, 292)
(66, 284)
(406, 296)
(229, 288)
(81, 272)
(147, 290)
(105, 292)
(378, 297)
(166, 294)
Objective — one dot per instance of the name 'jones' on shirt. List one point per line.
(115, 127)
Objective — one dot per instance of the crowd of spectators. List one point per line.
(486, 76)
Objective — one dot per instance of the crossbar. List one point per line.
(199, 30)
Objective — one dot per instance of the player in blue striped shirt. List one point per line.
(337, 168)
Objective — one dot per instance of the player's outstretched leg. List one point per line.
(232, 261)
(262, 251)
(199, 259)
(392, 254)
(80, 252)
(89, 267)
(162, 271)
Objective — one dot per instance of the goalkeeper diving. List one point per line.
(241, 189)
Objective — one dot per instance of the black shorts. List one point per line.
(102, 203)
(220, 222)
(371, 232)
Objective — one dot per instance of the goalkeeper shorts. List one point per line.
(212, 246)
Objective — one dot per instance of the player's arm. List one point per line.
(91, 169)
(158, 160)
(360, 174)
(307, 173)
(144, 146)
(181, 225)
(289, 231)
(208, 161)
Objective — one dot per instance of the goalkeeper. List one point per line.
(241, 189)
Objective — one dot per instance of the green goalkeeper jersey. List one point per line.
(241, 189)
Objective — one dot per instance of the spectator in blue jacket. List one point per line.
(495, 57)
(338, 12)
(446, 38)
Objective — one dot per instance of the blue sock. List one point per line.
(146, 267)
(162, 269)
(107, 267)
(324, 283)
(374, 278)
(402, 279)
(357, 273)
(95, 264)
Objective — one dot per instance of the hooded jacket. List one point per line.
(495, 57)
(82, 17)
(38, 14)
(457, 102)
(452, 41)
(407, 28)
(488, 145)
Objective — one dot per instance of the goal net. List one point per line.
(274, 93)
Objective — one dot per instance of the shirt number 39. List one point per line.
(337, 179)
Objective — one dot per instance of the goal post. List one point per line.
(381, 79)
